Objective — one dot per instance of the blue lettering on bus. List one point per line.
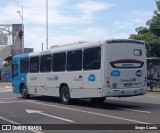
(91, 78)
(139, 73)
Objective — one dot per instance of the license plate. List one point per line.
(128, 85)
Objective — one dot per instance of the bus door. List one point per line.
(15, 76)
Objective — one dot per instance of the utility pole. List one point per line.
(42, 46)
(47, 24)
(22, 30)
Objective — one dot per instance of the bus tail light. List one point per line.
(108, 82)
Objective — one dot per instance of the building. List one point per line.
(3, 39)
(8, 51)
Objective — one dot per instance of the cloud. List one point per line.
(95, 34)
(34, 11)
(131, 20)
(90, 34)
(9, 14)
(89, 7)
(80, 21)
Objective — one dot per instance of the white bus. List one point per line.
(95, 70)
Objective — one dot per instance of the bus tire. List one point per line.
(65, 95)
(98, 99)
(24, 93)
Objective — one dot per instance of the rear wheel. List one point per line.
(65, 95)
(24, 92)
(98, 99)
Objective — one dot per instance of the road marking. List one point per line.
(141, 111)
(6, 90)
(12, 101)
(40, 112)
(8, 87)
(93, 113)
(8, 98)
(13, 122)
(10, 121)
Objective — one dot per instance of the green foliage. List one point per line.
(150, 34)
(158, 4)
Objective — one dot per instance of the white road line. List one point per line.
(8, 98)
(5, 90)
(12, 101)
(56, 117)
(141, 111)
(13, 122)
(10, 121)
(52, 116)
(8, 87)
(93, 113)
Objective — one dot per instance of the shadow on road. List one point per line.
(109, 104)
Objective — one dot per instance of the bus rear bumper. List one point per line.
(123, 92)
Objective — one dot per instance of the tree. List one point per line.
(150, 34)
(7, 63)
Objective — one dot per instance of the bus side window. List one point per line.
(59, 62)
(74, 60)
(34, 64)
(24, 65)
(45, 65)
(92, 58)
(14, 70)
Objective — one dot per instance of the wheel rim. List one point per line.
(65, 96)
(24, 93)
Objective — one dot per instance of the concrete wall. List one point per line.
(5, 51)
(17, 43)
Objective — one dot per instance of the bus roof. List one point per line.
(79, 45)
(20, 56)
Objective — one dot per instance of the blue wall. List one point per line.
(6, 74)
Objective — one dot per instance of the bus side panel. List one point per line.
(92, 81)
(51, 83)
(33, 83)
(85, 93)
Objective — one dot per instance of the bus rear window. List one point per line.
(126, 63)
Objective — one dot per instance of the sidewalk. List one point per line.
(155, 90)
(5, 86)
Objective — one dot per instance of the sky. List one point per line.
(76, 20)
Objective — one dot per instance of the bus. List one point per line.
(94, 70)
(153, 72)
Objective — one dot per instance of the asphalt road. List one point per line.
(120, 112)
